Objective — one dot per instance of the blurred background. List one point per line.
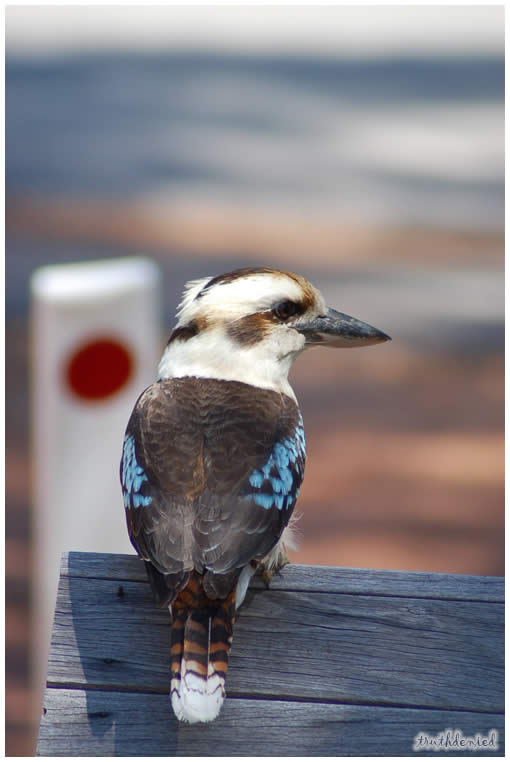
(360, 146)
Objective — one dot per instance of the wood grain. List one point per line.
(360, 660)
(463, 587)
(102, 723)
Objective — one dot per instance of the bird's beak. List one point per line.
(334, 329)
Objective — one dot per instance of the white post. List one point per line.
(95, 346)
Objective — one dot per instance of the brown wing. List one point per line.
(210, 474)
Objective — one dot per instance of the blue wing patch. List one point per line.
(276, 484)
(133, 476)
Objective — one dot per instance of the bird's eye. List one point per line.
(285, 310)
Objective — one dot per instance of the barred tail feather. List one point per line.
(176, 651)
(200, 646)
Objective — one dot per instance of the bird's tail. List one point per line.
(200, 645)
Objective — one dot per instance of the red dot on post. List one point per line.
(98, 369)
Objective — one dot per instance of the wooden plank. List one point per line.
(333, 647)
(103, 723)
(320, 578)
(116, 566)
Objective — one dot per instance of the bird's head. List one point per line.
(249, 325)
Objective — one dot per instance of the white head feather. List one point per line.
(215, 311)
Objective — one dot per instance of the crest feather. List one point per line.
(191, 291)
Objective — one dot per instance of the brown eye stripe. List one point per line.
(249, 330)
(185, 332)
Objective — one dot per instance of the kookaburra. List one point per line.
(214, 455)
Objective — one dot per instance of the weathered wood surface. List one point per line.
(123, 724)
(329, 661)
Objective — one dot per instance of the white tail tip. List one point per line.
(197, 700)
